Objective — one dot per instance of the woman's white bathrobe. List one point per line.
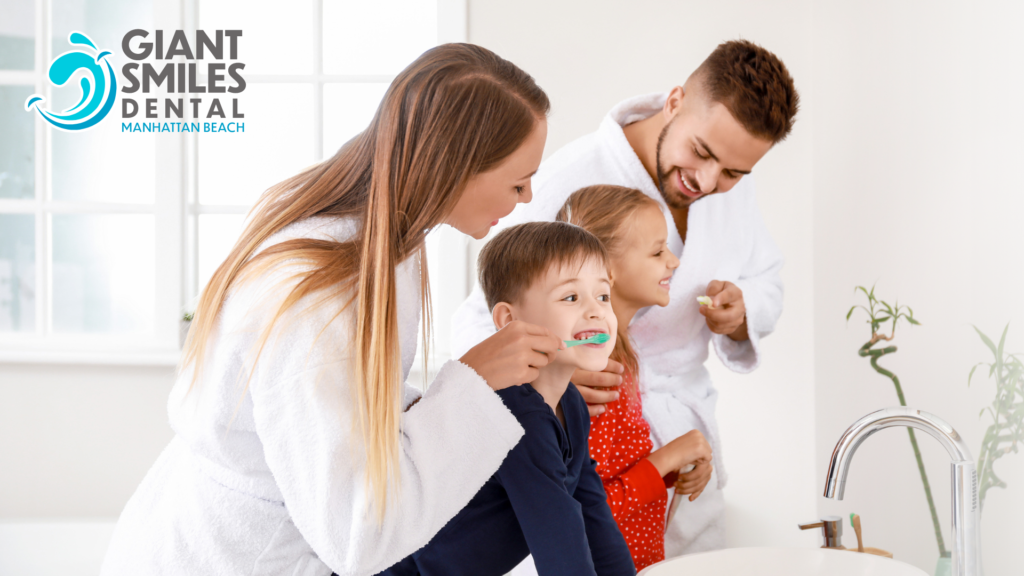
(269, 480)
(726, 240)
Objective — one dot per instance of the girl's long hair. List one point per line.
(457, 111)
(605, 211)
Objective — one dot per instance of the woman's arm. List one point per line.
(451, 444)
(306, 416)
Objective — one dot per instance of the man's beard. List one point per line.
(675, 202)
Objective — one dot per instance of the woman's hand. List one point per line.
(593, 386)
(514, 355)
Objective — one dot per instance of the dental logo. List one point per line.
(99, 86)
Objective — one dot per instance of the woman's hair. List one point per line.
(458, 110)
(606, 211)
(519, 256)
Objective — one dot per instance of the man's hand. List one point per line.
(727, 313)
(593, 386)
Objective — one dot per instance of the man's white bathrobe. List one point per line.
(726, 240)
(269, 480)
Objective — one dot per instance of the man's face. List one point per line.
(702, 150)
(574, 302)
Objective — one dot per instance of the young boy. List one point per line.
(546, 499)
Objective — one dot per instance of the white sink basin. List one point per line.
(781, 562)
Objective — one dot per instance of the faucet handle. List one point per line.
(831, 531)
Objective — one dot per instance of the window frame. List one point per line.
(176, 210)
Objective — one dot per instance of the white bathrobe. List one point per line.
(726, 240)
(269, 480)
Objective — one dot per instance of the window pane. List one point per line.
(103, 273)
(100, 164)
(17, 35)
(103, 165)
(379, 37)
(17, 273)
(348, 109)
(217, 235)
(105, 22)
(17, 143)
(277, 143)
(276, 38)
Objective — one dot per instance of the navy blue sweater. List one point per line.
(546, 499)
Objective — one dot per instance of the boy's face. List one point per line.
(575, 304)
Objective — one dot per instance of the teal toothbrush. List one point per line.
(595, 339)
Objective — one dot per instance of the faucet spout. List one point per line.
(965, 558)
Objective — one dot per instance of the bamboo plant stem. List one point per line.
(875, 355)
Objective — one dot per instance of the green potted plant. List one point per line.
(881, 313)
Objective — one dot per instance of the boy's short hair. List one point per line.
(518, 256)
(754, 85)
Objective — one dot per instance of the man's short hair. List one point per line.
(754, 85)
(518, 256)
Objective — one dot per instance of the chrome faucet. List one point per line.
(966, 551)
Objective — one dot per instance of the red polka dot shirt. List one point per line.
(620, 441)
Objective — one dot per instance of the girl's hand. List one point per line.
(514, 355)
(694, 481)
(690, 448)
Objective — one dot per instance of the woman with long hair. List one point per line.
(298, 448)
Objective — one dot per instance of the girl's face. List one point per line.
(491, 195)
(643, 267)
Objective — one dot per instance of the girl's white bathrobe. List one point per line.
(269, 479)
(726, 240)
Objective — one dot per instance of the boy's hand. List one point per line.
(593, 386)
(513, 355)
(727, 313)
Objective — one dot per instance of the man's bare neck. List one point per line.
(642, 136)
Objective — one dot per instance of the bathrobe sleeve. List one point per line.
(761, 284)
(307, 419)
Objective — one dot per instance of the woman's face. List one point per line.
(644, 265)
(491, 195)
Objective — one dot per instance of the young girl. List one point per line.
(632, 227)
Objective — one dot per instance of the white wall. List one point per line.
(589, 55)
(75, 441)
(916, 139)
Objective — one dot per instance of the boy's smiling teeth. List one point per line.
(587, 334)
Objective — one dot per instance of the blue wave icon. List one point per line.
(99, 86)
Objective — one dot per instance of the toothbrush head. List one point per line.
(595, 339)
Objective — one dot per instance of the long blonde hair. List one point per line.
(604, 210)
(457, 111)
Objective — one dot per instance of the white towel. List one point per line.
(726, 240)
(270, 482)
